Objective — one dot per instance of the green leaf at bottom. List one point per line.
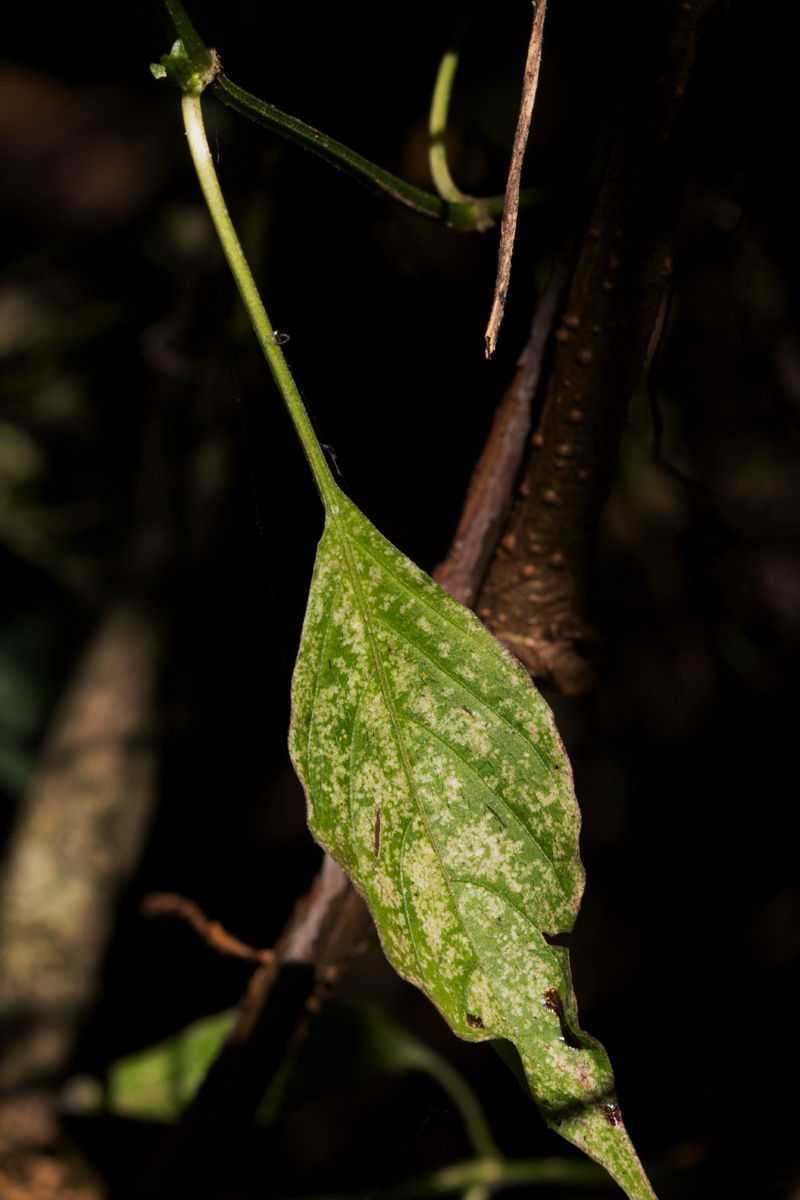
(156, 1084)
(435, 775)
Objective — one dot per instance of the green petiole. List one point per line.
(232, 248)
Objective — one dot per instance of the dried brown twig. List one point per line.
(508, 227)
(169, 904)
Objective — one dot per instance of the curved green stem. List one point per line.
(463, 1097)
(437, 128)
(459, 212)
(465, 215)
(201, 155)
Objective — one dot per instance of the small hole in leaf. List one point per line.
(474, 1022)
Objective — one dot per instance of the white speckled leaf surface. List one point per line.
(434, 774)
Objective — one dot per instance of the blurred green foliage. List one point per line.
(156, 1084)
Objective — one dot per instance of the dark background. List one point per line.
(134, 394)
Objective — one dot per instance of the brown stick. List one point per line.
(535, 596)
(169, 904)
(508, 227)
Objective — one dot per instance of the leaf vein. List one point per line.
(318, 670)
(492, 791)
(463, 684)
(546, 949)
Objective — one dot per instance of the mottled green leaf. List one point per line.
(435, 775)
(156, 1084)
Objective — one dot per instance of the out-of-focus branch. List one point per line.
(535, 595)
(329, 925)
(169, 904)
(75, 846)
(37, 1161)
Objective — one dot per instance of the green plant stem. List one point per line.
(437, 129)
(463, 1097)
(201, 155)
(459, 212)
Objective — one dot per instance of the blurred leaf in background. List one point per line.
(156, 1084)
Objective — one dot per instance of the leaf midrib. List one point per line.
(426, 654)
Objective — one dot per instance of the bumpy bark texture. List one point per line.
(534, 598)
